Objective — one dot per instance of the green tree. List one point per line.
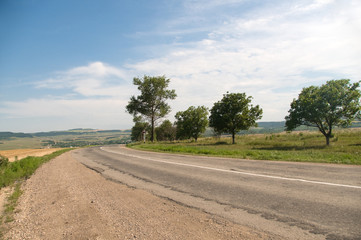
(151, 103)
(137, 130)
(166, 131)
(233, 114)
(336, 103)
(192, 122)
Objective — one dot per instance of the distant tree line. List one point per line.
(77, 131)
(336, 103)
(82, 143)
(9, 135)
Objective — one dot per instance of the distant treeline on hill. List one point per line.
(78, 131)
(7, 135)
(263, 128)
(277, 127)
(274, 127)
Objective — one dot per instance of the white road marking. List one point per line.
(233, 171)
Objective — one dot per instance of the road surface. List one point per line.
(291, 200)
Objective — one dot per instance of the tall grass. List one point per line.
(345, 147)
(11, 172)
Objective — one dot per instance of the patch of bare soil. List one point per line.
(65, 200)
(12, 155)
(4, 194)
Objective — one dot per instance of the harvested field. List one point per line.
(23, 153)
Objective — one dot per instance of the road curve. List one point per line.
(291, 200)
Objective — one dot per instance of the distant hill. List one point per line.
(77, 131)
(9, 135)
(269, 127)
(87, 136)
(356, 124)
(275, 127)
(78, 137)
(263, 128)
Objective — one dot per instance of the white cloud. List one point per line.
(95, 79)
(99, 94)
(313, 5)
(45, 107)
(269, 53)
(97, 69)
(279, 52)
(94, 113)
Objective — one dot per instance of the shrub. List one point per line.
(3, 161)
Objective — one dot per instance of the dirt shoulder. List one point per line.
(65, 200)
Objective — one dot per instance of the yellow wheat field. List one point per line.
(18, 154)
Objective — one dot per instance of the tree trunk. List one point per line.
(233, 137)
(325, 133)
(329, 135)
(153, 130)
(327, 140)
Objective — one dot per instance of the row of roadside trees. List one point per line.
(336, 103)
(230, 115)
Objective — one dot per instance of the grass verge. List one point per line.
(13, 174)
(24, 168)
(345, 147)
(11, 203)
(10, 208)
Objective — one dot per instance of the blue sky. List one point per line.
(70, 64)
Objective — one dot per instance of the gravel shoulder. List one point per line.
(66, 200)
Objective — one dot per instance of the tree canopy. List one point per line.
(234, 113)
(192, 122)
(166, 131)
(151, 103)
(336, 103)
(137, 130)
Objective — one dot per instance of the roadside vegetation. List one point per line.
(329, 109)
(151, 103)
(12, 174)
(334, 104)
(9, 208)
(305, 146)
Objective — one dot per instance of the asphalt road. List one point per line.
(293, 200)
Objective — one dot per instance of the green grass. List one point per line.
(12, 200)
(345, 147)
(11, 172)
(10, 208)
